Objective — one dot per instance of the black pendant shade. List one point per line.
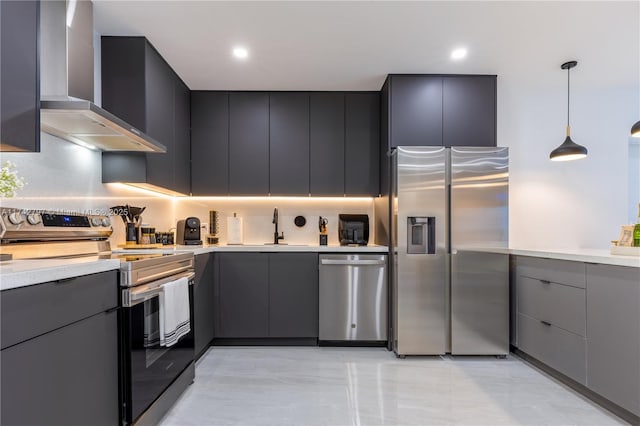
(635, 130)
(569, 150)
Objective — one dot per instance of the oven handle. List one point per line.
(136, 295)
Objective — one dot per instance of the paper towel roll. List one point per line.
(234, 230)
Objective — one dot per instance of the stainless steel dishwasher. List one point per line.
(353, 298)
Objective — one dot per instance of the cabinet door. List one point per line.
(66, 377)
(293, 295)
(326, 156)
(249, 143)
(209, 143)
(362, 144)
(469, 111)
(416, 110)
(289, 143)
(123, 79)
(182, 138)
(160, 126)
(203, 302)
(20, 79)
(244, 295)
(613, 335)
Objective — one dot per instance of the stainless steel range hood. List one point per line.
(66, 68)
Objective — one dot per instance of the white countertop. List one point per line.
(20, 273)
(581, 255)
(371, 248)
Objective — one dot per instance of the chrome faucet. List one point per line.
(276, 237)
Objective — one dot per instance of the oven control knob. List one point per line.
(96, 221)
(106, 222)
(34, 219)
(16, 218)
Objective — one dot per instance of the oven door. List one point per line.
(148, 367)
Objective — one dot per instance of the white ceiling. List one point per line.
(342, 45)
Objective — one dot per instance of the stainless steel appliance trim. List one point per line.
(353, 292)
(420, 280)
(352, 262)
(143, 271)
(137, 295)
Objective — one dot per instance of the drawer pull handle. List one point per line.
(65, 280)
(548, 324)
(545, 281)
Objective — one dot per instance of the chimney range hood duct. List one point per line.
(66, 68)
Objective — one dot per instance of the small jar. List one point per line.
(145, 235)
(152, 236)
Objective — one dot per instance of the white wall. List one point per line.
(257, 215)
(67, 176)
(576, 204)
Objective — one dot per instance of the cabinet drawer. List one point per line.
(561, 305)
(30, 311)
(558, 271)
(559, 349)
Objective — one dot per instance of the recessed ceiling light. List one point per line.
(240, 52)
(458, 53)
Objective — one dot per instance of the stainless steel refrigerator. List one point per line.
(449, 222)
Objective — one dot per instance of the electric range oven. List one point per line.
(153, 376)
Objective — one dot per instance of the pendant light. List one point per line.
(569, 150)
(635, 130)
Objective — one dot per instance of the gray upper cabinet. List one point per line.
(182, 137)
(209, 143)
(440, 110)
(249, 143)
(362, 144)
(289, 143)
(159, 100)
(613, 344)
(20, 76)
(285, 143)
(415, 110)
(469, 110)
(326, 157)
(141, 88)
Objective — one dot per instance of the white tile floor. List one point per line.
(370, 386)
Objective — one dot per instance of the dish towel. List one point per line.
(174, 311)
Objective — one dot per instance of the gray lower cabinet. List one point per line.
(59, 359)
(293, 295)
(66, 377)
(613, 324)
(243, 295)
(551, 314)
(203, 297)
(266, 295)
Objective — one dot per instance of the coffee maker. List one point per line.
(188, 232)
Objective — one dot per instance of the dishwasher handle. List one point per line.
(352, 262)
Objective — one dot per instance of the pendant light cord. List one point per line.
(568, 93)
